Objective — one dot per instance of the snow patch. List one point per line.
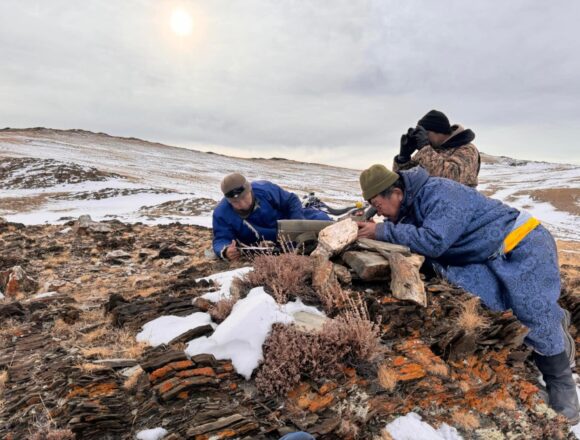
(152, 434)
(241, 336)
(411, 427)
(163, 329)
(224, 279)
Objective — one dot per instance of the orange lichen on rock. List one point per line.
(320, 403)
(328, 386)
(527, 392)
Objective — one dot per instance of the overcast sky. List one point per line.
(326, 81)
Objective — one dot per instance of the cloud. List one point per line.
(286, 77)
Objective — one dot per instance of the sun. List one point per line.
(181, 22)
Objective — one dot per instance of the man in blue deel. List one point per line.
(249, 213)
(505, 257)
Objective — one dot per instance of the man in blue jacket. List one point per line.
(249, 213)
(501, 255)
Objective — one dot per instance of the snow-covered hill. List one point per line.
(53, 175)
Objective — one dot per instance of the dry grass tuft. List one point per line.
(133, 380)
(385, 435)
(222, 309)
(438, 369)
(465, 420)
(90, 368)
(470, 319)
(61, 328)
(387, 377)
(98, 352)
(9, 329)
(97, 335)
(283, 275)
(53, 434)
(126, 345)
(3, 380)
(348, 429)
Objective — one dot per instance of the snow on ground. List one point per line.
(411, 427)
(224, 280)
(163, 329)
(152, 434)
(241, 336)
(183, 173)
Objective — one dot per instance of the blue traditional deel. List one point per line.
(460, 231)
(272, 204)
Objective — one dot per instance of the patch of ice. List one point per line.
(241, 336)
(152, 434)
(411, 427)
(224, 279)
(163, 329)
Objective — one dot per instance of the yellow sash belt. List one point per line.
(518, 234)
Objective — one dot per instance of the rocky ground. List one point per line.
(70, 364)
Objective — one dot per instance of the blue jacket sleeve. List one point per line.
(288, 203)
(223, 234)
(446, 216)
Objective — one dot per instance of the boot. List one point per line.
(560, 385)
(569, 343)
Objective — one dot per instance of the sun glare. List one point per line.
(181, 22)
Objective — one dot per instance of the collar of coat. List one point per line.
(413, 180)
(459, 136)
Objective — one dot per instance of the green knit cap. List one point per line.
(376, 179)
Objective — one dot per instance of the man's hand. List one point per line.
(232, 252)
(366, 230)
(408, 145)
(420, 137)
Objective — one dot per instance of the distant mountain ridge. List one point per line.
(51, 175)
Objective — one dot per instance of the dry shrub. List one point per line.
(283, 275)
(465, 420)
(290, 353)
(363, 335)
(470, 319)
(388, 378)
(331, 296)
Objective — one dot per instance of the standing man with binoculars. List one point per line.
(444, 150)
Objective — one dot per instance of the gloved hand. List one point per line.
(408, 146)
(420, 137)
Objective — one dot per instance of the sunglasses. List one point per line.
(235, 192)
